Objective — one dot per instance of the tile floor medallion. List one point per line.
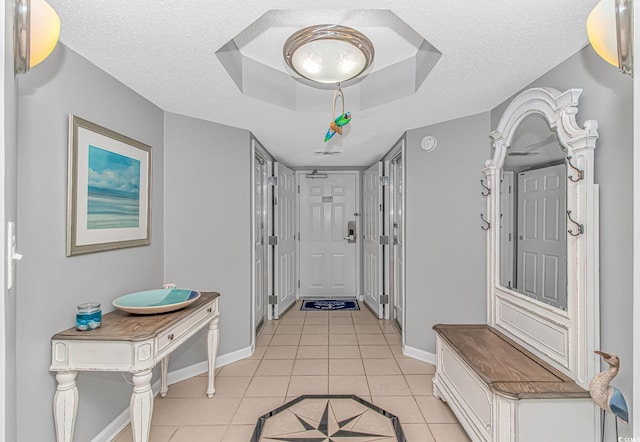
(330, 418)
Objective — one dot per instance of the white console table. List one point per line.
(129, 343)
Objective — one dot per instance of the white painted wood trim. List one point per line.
(421, 355)
(258, 149)
(122, 420)
(537, 326)
(399, 148)
(635, 409)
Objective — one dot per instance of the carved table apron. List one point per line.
(132, 343)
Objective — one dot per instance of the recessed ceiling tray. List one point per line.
(149, 302)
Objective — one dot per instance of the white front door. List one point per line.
(372, 229)
(259, 238)
(396, 241)
(327, 246)
(284, 284)
(542, 237)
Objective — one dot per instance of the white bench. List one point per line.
(501, 392)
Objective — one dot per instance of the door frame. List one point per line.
(258, 150)
(398, 149)
(359, 244)
(3, 188)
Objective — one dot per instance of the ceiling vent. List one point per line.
(324, 153)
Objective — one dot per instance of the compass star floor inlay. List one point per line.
(328, 418)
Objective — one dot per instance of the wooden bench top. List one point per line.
(506, 367)
(122, 326)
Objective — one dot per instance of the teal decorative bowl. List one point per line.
(150, 302)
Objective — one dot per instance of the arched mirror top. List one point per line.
(559, 109)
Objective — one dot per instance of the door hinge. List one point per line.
(384, 240)
(298, 188)
(384, 299)
(384, 180)
(273, 240)
(275, 200)
(273, 300)
(272, 180)
(298, 236)
(298, 283)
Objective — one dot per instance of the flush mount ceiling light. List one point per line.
(609, 27)
(36, 33)
(328, 53)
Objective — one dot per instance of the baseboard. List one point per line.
(122, 420)
(420, 355)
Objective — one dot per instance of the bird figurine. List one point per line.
(606, 396)
(336, 125)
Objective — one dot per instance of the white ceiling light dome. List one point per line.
(328, 53)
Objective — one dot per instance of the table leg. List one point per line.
(213, 338)
(164, 364)
(141, 406)
(65, 405)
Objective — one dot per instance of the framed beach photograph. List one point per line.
(109, 190)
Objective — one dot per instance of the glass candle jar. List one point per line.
(88, 316)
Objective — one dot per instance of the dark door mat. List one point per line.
(330, 304)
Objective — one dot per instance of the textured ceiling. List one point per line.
(165, 50)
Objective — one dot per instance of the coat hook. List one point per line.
(580, 226)
(580, 172)
(488, 224)
(488, 191)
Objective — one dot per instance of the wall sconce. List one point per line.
(36, 32)
(609, 27)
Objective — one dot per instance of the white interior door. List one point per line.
(285, 249)
(260, 241)
(542, 227)
(327, 255)
(372, 229)
(396, 241)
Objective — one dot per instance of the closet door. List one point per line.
(372, 230)
(284, 283)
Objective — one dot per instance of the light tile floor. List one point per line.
(307, 353)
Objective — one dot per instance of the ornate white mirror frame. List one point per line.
(566, 339)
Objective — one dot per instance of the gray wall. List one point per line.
(50, 285)
(445, 247)
(607, 97)
(10, 209)
(207, 224)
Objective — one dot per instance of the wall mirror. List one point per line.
(542, 244)
(533, 253)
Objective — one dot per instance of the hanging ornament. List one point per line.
(338, 122)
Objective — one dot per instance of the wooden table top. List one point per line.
(506, 367)
(122, 326)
